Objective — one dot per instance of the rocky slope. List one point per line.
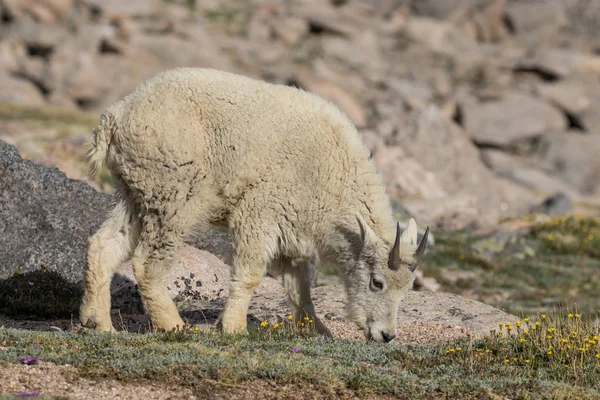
(473, 109)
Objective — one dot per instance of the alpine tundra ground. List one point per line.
(553, 351)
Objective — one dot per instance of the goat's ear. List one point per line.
(366, 233)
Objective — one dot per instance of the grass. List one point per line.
(285, 355)
(65, 121)
(555, 353)
(555, 263)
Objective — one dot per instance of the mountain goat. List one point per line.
(283, 168)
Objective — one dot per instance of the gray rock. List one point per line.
(415, 94)
(442, 9)
(559, 63)
(470, 191)
(46, 217)
(574, 158)
(131, 8)
(569, 96)
(527, 173)
(526, 16)
(559, 204)
(517, 116)
(41, 39)
(19, 91)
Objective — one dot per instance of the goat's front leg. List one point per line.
(249, 269)
(296, 281)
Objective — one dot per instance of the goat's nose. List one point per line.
(388, 337)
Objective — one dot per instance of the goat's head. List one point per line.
(380, 277)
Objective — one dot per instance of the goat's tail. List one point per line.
(97, 154)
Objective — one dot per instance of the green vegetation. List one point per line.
(529, 271)
(35, 117)
(550, 264)
(534, 362)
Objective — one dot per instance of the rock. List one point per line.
(19, 91)
(372, 140)
(559, 204)
(569, 96)
(337, 95)
(324, 19)
(423, 283)
(197, 275)
(443, 149)
(441, 10)
(291, 29)
(47, 218)
(130, 8)
(558, 63)
(41, 39)
(440, 37)
(525, 16)
(515, 117)
(352, 53)
(73, 73)
(121, 73)
(526, 173)
(176, 52)
(574, 158)
(12, 53)
(415, 94)
(407, 178)
(200, 284)
(488, 21)
(46, 11)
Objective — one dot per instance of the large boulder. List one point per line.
(456, 188)
(514, 117)
(46, 217)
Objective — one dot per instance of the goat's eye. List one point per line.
(377, 284)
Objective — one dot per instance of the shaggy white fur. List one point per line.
(283, 168)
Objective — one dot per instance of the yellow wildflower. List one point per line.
(289, 317)
(264, 324)
(526, 319)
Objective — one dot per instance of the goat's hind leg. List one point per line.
(156, 252)
(296, 281)
(108, 248)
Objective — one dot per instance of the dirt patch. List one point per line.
(65, 381)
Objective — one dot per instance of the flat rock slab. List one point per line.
(199, 282)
